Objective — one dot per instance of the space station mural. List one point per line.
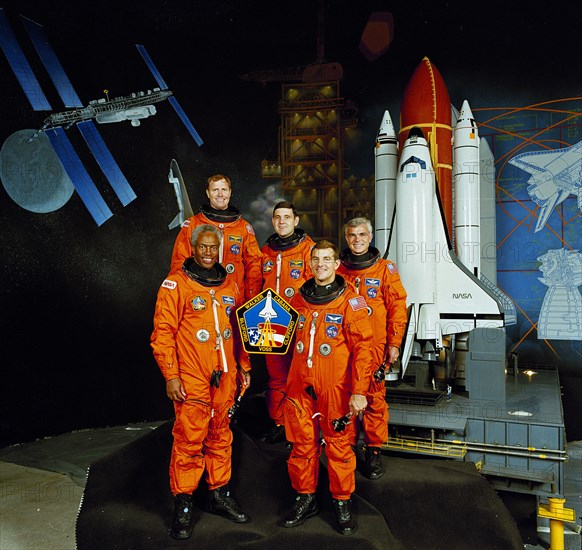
(535, 165)
(40, 168)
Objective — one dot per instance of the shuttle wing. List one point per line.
(184, 206)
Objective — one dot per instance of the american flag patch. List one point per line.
(250, 229)
(358, 303)
(392, 268)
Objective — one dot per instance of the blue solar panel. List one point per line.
(106, 161)
(146, 57)
(52, 64)
(162, 83)
(174, 102)
(21, 67)
(78, 175)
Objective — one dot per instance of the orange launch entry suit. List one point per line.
(186, 346)
(239, 254)
(378, 281)
(285, 268)
(331, 361)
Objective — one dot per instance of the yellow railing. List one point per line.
(425, 447)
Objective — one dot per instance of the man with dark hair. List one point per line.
(378, 281)
(328, 380)
(286, 266)
(201, 360)
(239, 251)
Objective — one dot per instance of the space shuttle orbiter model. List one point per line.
(435, 217)
(444, 297)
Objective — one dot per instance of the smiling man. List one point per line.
(286, 266)
(328, 378)
(193, 343)
(239, 252)
(378, 281)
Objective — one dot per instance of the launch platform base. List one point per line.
(518, 441)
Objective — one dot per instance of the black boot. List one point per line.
(345, 519)
(182, 526)
(221, 502)
(373, 469)
(304, 507)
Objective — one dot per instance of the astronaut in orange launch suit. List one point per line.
(286, 266)
(329, 377)
(239, 252)
(201, 360)
(378, 281)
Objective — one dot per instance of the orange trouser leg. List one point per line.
(187, 460)
(303, 462)
(218, 449)
(375, 418)
(341, 466)
(341, 460)
(278, 368)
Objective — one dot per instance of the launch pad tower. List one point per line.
(312, 154)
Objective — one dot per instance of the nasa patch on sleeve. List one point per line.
(169, 284)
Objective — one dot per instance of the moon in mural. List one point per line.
(32, 174)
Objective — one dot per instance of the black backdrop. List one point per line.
(77, 299)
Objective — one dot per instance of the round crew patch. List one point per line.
(202, 335)
(325, 349)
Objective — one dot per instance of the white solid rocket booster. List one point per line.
(386, 163)
(466, 182)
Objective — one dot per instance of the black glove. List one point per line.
(235, 407)
(339, 424)
(215, 378)
(381, 372)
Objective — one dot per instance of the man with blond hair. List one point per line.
(239, 251)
